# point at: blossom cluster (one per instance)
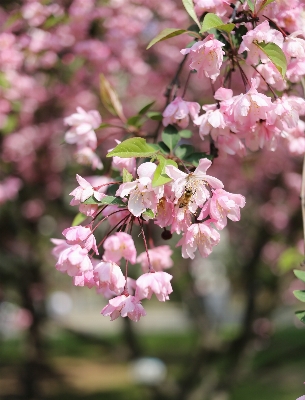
(173, 189)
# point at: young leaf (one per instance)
(160, 177)
(136, 120)
(146, 108)
(184, 150)
(110, 98)
(148, 214)
(133, 147)
(264, 4)
(299, 274)
(113, 200)
(170, 136)
(301, 316)
(127, 177)
(160, 146)
(251, 5)
(189, 6)
(78, 219)
(165, 34)
(213, 21)
(275, 55)
(91, 200)
(155, 115)
(300, 295)
(196, 157)
(185, 134)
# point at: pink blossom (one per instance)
(296, 70)
(228, 142)
(178, 111)
(246, 109)
(287, 112)
(9, 188)
(118, 214)
(126, 306)
(87, 156)
(35, 12)
(88, 209)
(108, 274)
(165, 213)
(141, 193)
(154, 282)
(82, 128)
(206, 57)
(262, 135)
(213, 118)
(120, 245)
(201, 236)
(223, 205)
(74, 260)
(262, 33)
(294, 47)
(60, 246)
(85, 279)
(196, 183)
(84, 191)
(82, 236)
(268, 73)
(160, 258)
(182, 219)
(218, 7)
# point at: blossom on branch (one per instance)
(126, 306)
(206, 57)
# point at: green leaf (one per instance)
(106, 200)
(110, 98)
(185, 134)
(301, 316)
(213, 21)
(91, 200)
(170, 136)
(164, 148)
(196, 157)
(133, 147)
(11, 122)
(251, 5)
(275, 55)
(155, 115)
(127, 177)
(148, 214)
(136, 120)
(146, 108)
(189, 6)
(165, 34)
(184, 150)
(299, 274)
(160, 146)
(289, 259)
(104, 125)
(160, 177)
(78, 219)
(113, 200)
(300, 295)
(3, 80)
(264, 4)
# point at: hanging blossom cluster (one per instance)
(253, 70)
(194, 204)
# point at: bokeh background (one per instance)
(229, 331)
